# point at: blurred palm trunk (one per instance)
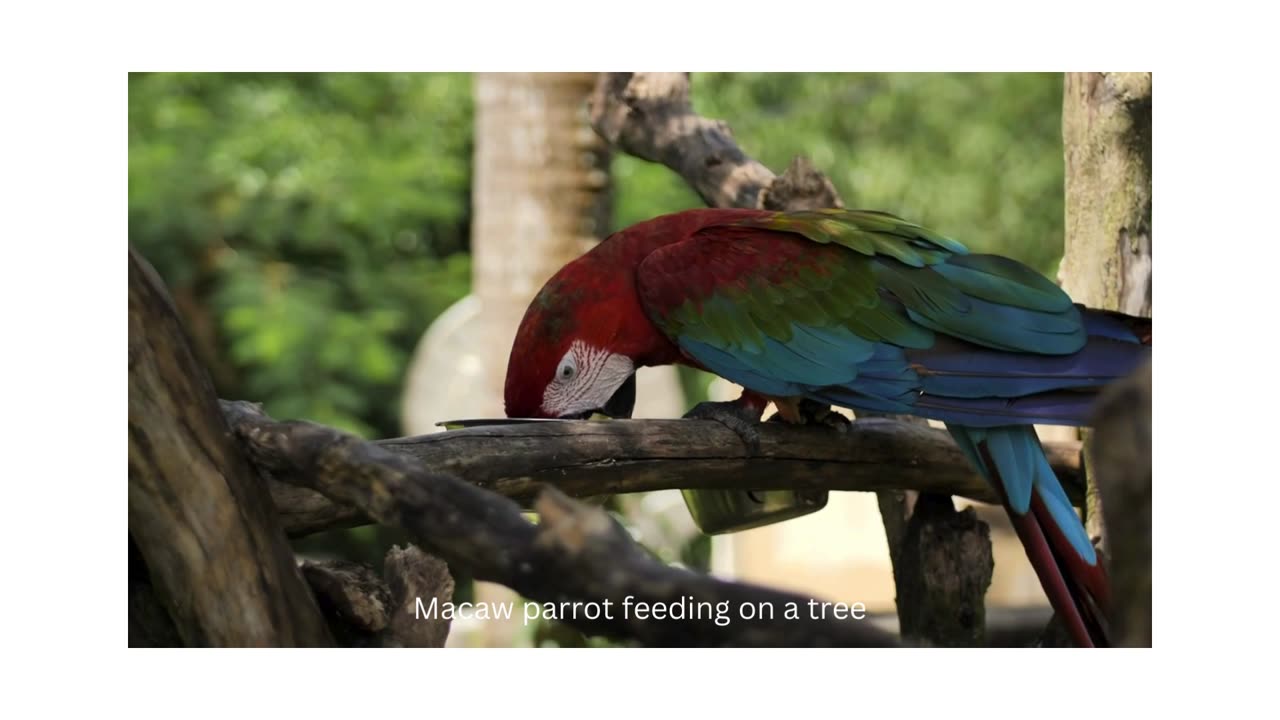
(541, 196)
(541, 193)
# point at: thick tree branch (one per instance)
(575, 554)
(625, 456)
(199, 515)
(649, 115)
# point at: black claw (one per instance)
(733, 415)
(815, 413)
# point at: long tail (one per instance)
(1013, 461)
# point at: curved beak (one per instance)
(623, 402)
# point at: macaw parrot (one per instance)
(852, 308)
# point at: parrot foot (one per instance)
(816, 413)
(811, 412)
(739, 417)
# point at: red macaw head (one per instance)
(569, 359)
(586, 332)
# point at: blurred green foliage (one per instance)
(977, 157)
(320, 219)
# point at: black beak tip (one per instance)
(623, 402)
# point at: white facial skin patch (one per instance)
(585, 379)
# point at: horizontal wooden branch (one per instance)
(584, 458)
(575, 554)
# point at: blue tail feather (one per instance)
(1020, 469)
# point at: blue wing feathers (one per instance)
(1004, 281)
(733, 367)
(1004, 327)
(825, 345)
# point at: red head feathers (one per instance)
(586, 332)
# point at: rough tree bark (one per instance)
(588, 458)
(208, 563)
(1106, 131)
(650, 115)
(364, 610)
(201, 519)
(1122, 463)
(576, 553)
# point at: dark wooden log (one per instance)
(149, 621)
(352, 596)
(413, 575)
(1122, 466)
(575, 554)
(200, 516)
(937, 605)
(365, 609)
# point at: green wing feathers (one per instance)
(866, 232)
(900, 281)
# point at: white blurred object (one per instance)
(446, 371)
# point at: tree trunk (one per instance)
(1106, 129)
(202, 521)
(541, 192)
(1106, 132)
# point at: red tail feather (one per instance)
(1078, 592)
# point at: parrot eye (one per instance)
(568, 368)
